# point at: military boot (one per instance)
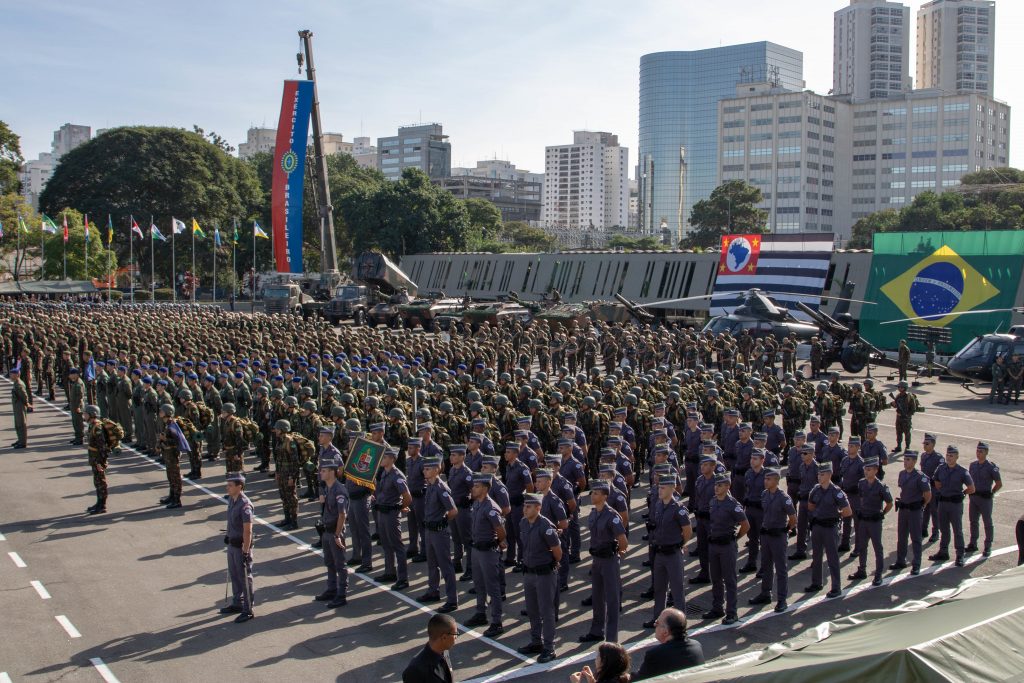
(175, 502)
(167, 499)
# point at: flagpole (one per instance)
(194, 279)
(152, 250)
(216, 233)
(252, 282)
(17, 252)
(234, 271)
(87, 249)
(131, 257)
(174, 272)
(42, 251)
(109, 245)
(65, 247)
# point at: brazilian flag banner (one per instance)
(363, 462)
(931, 275)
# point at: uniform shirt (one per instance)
(414, 474)
(486, 521)
(754, 483)
(624, 466)
(669, 520)
(851, 471)
(537, 539)
(605, 528)
(726, 515)
(954, 480)
(795, 461)
(743, 450)
(776, 435)
(874, 449)
(352, 488)
(704, 491)
(437, 501)
(552, 507)
(239, 512)
(617, 500)
(460, 482)
(808, 477)
(913, 485)
(474, 460)
(499, 493)
(729, 438)
(819, 439)
(873, 496)
(431, 450)
(391, 487)
(929, 463)
(692, 440)
(828, 501)
(527, 457)
(335, 503)
(517, 476)
(984, 474)
(572, 471)
(777, 507)
(834, 454)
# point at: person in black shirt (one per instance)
(431, 665)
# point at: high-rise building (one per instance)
(871, 47)
(497, 168)
(364, 152)
(679, 94)
(956, 46)
(67, 137)
(36, 173)
(334, 143)
(257, 140)
(586, 184)
(423, 146)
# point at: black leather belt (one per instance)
(464, 504)
(774, 532)
(987, 495)
(831, 521)
(952, 499)
(418, 494)
(870, 516)
(721, 540)
(753, 504)
(436, 526)
(543, 570)
(235, 542)
(916, 505)
(387, 508)
(669, 549)
(484, 547)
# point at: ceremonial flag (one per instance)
(49, 227)
(258, 231)
(196, 230)
(154, 233)
(234, 237)
(178, 226)
(1, 230)
(363, 461)
(216, 236)
(288, 172)
(65, 228)
(136, 229)
(110, 230)
(86, 227)
(789, 268)
(179, 437)
(21, 224)
(930, 277)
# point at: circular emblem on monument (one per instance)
(289, 161)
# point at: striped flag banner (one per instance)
(790, 268)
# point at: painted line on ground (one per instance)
(302, 545)
(104, 670)
(41, 589)
(4, 678)
(973, 438)
(2, 537)
(947, 415)
(16, 558)
(794, 608)
(68, 626)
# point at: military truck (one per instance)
(285, 297)
(304, 294)
(378, 287)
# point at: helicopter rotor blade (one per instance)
(656, 304)
(937, 317)
(815, 296)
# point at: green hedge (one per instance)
(164, 294)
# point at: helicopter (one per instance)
(973, 363)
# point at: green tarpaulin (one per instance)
(932, 274)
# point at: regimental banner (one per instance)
(289, 173)
(790, 268)
(929, 275)
(363, 461)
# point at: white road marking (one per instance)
(41, 589)
(2, 537)
(946, 415)
(4, 678)
(303, 545)
(16, 558)
(68, 626)
(104, 670)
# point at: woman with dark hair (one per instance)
(611, 663)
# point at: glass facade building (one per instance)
(679, 94)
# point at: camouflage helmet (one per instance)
(283, 426)
(446, 406)
(372, 401)
(392, 392)
(396, 414)
(167, 409)
(92, 411)
(309, 405)
(185, 394)
(589, 401)
(291, 401)
(505, 377)
(476, 407)
(536, 403)
(501, 400)
(788, 389)
(228, 408)
(352, 425)
(348, 398)
(338, 411)
(440, 389)
(631, 399)
(277, 393)
(473, 396)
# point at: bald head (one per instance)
(673, 623)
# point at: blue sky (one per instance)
(505, 78)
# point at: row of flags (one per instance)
(177, 226)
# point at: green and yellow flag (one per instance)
(196, 230)
(363, 462)
(930, 276)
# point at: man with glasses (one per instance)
(431, 665)
(675, 650)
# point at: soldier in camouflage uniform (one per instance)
(98, 452)
(286, 468)
(232, 439)
(170, 442)
(76, 404)
(213, 400)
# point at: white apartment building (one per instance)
(871, 50)
(586, 184)
(498, 169)
(36, 173)
(784, 143)
(69, 136)
(257, 140)
(364, 152)
(956, 46)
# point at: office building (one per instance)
(586, 184)
(498, 168)
(364, 152)
(517, 199)
(679, 94)
(36, 173)
(956, 46)
(422, 146)
(871, 46)
(334, 143)
(257, 140)
(67, 137)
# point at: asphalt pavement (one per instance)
(133, 594)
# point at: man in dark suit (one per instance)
(431, 665)
(675, 651)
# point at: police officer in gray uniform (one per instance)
(607, 546)
(827, 505)
(851, 472)
(951, 482)
(359, 520)
(553, 508)
(670, 531)
(336, 503)
(391, 497)
(487, 533)
(519, 483)
(239, 541)
(915, 492)
(726, 524)
(753, 487)
(541, 553)
(703, 492)
(778, 517)
(987, 481)
(808, 480)
(417, 489)
(439, 511)
(874, 502)
(460, 484)
(930, 460)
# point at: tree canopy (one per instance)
(626, 243)
(731, 208)
(10, 160)
(999, 205)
